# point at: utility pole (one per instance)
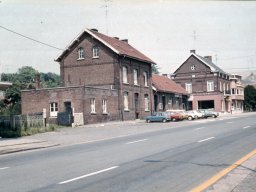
(106, 6)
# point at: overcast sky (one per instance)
(162, 30)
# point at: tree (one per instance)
(250, 98)
(155, 69)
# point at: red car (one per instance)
(174, 116)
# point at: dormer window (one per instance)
(81, 53)
(95, 52)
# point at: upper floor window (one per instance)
(210, 86)
(81, 53)
(125, 75)
(104, 105)
(93, 108)
(224, 87)
(53, 109)
(220, 86)
(126, 102)
(188, 87)
(145, 76)
(135, 76)
(146, 100)
(95, 52)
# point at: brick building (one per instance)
(209, 86)
(103, 77)
(168, 95)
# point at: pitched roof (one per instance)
(162, 83)
(207, 62)
(120, 47)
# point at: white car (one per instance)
(194, 115)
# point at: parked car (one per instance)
(209, 113)
(194, 114)
(158, 117)
(174, 116)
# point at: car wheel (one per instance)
(214, 116)
(173, 119)
(164, 120)
(148, 121)
(190, 118)
(196, 117)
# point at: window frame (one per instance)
(188, 87)
(93, 105)
(125, 74)
(135, 76)
(126, 101)
(104, 106)
(146, 102)
(210, 86)
(145, 76)
(95, 52)
(81, 53)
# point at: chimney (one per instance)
(193, 51)
(125, 40)
(37, 81)
(165, 75)
(96, 30)
(208, 57)
(116, 38)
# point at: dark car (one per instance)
(209, 113)
(158, 117)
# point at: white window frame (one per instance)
(210, 86)
(188, 87)
(126, 101)
(145, 76)
(135, 76)
(220, 86)
(104, 105)
(53, 109)
(125, 74)
(95, 52)
(81, 54)
(146, 100)
(93, 105)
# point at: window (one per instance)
(125, 71)
(135, 76)
(81, 53)
(95, 52)
(145, 75)
(224, 87)
(220, 86)
(93, 110)
(227, 86)
(193, 67)
(104, 105)
(126, 103)
(146, 100)
(53, 109)
(210, 86)
(189, 87)
(233, 91)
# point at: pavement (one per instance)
(241, 179)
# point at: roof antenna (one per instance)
(194, 37)
(106, 6)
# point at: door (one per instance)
(136, 105)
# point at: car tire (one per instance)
(148, 121)
(164, 120)
(214, 116)
(190, 118)
(173, 119)
(196, 117)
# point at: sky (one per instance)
(163, 30)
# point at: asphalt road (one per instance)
(171, 159)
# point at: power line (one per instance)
(30, 38)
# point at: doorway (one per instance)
(136, 105)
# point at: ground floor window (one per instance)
(208, 104)
(104, 105)
(126, 103)
(93, 108)
(146, 99)
(53, 109)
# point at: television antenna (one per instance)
(106, 6)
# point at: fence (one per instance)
(20, 125)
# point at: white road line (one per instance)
(230, 122)
(2, 168)
(88, 175)
(136, 141)
(246, 127)
(199, 128)
(205, 139)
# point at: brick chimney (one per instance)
(125, 40)
(37, 81)
(193, 51)
(96, 30)
(116, 38)
(208, 57)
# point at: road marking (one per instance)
(2, 168)
(205, 139)
(246, 127)
(230, 122)
(136, 141)
(88, 175)
(222, 173)
(199, 128)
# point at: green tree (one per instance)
(155, 69)
(250, 98)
